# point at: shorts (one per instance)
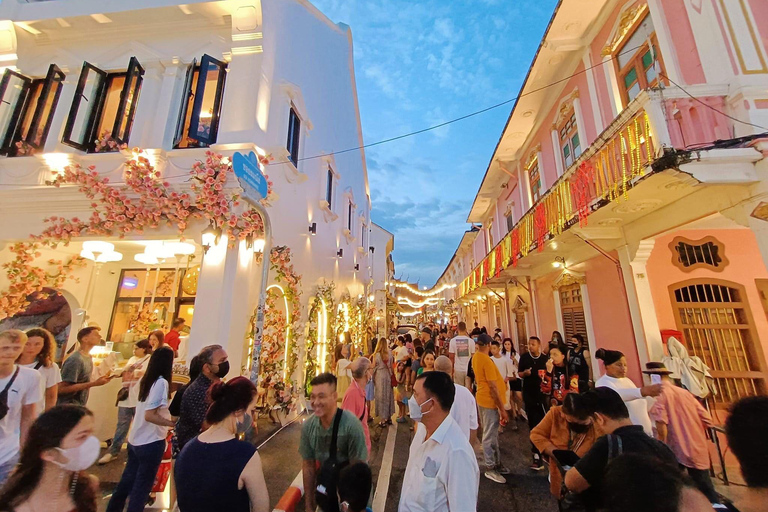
(516, 385)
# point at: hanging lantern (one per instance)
(189, 283)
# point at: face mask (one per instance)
(579, 428)
(572, 344)
(415, 408)
(655, 379)
(223, 369)
(243, 426)
(81, 457)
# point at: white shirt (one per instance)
(49, 376)
(133, 388)
(463, 347)
(506, 367)
(464, 410)
(401, 353)
(343, 368)
(25, 390)
(442, 473)
(633, 399)
(143, 432)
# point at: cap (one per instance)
(484, 339)
(656, 368)
(427, 330)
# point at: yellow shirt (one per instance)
(485, 372)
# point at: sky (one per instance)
(419, 63)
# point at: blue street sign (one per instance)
(249, 174)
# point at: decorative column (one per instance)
(640, 301)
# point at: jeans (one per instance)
(535, 412)
(7, 468)
(138, 477)
(491, 453)
(124, 418)
(704, 483)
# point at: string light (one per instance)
(427, 302)
(287, 327)
(420, 293)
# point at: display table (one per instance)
(101, 402)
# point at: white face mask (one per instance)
(655, 379)
(81, 457)
(415, 409)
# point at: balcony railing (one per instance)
(603, 173)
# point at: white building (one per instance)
(278, 79)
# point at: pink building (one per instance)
(626, 195)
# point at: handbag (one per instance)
(122, 394)
(4, 395)
(328, 476)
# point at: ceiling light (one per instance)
(146, 259)
(98, 246)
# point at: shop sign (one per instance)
(252, 180)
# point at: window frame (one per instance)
(537, 193)
(350, 212)
(294, 136)
(75, 107)
(135, 70)
(53, 76)
(186, 96)
(329, 186)
(194, 122)
(14, 120)
(567, 142)
(636, 62)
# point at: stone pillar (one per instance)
(640, 300)
(227, 293)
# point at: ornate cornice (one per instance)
(626, 22)
(568, 278)
(532, 156)
(566, 107)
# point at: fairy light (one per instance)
(322, 333)
(287, 329)
(427, 293)
(427, 302)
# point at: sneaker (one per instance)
(503, 470)
(494, 475)
(106, 459)
(536, 465)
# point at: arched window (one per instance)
(717, 326)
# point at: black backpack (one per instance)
(328, 477)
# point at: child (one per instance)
(401, 397)
(354, 488)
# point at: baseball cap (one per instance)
(484, 339)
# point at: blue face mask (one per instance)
(415, 409)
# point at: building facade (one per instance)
(273, 77)
(625, 200)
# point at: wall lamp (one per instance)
(313, 229)
(371, 249)
(357, 267)
(210, 237)
(340, 253)
(559, 262)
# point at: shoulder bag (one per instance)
(4, 395)
(328, 476)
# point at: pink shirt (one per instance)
(686, 420)
(354, 402)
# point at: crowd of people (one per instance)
(607, 445)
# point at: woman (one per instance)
(566, 427)
(579, 361)
(215, 470)
(38, 355)
(343, 374)
(382, 377)
(146, 440)
(401, 393)
(126, 408)
(50, 475)
(558, 382)
(354, 399)
(557, 338)
(616, 378)
(157, 339)
(515, 385)
(427, 362)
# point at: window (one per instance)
(510, 221)
(635, 60)
(329, 189)
(569, 140)
(104, 107)
(362, 235)
(717, 326)
(294, 133)
(26, 110)
(198, 123)
(349, 217)
(490, 234)
(688, 255)
(535, 179)
(572, 309)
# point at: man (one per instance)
(22, 389)
(442, 473)
(490, 393)
(611, 415)
(172, 339)
(460, 350)
(316, 434)
(354, 398)
(77, 369)
(745, 431)
(681, 422)
(464, 408)
(194, 403)
(531, 367)
(476, 331)
(508, 372)
(425, 339)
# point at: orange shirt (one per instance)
(485, 372)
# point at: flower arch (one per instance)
(144, 202)
(321, 321)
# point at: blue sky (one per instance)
(419, 63)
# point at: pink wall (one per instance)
(684, 45)
(760, 12)
(745, 265)
(545, 307)
(610, 314)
